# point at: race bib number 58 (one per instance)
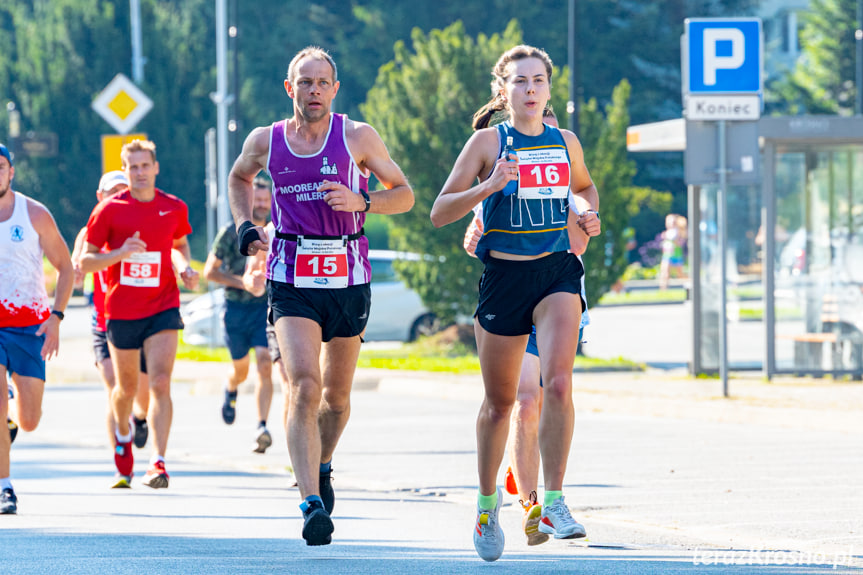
(321, 264)
(141, 270)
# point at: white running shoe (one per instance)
(487, 534)
(556, 520)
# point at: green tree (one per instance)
(604, 140)
(823, 80)
(422, 103)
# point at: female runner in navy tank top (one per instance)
(529, 279)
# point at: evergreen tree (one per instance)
(823, 79)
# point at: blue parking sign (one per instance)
(724, 55)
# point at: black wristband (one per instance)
(59, 314)
(247, 234)
(367, 199)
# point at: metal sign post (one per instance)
(722, 69)
(722, 227)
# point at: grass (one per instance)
(421, 356)
(425, 356)
(202, 353)
(643, 297)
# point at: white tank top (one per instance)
(23, 299)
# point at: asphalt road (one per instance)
(667, 477)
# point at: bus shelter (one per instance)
(794, 257)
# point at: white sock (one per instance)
(5, 483)
(155, 458)
(123, 438)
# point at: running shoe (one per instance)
(123, 458)
(556, 520)
(13, 430)
(11, 392)
(530, 521)
(325, 487)
(8, 502)
(487, 535)
(263, 441)
(317, 526)
(156, 477)
(229, 407)
(122, 482)
(142, 432)
(509, 482)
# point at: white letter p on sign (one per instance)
(712, 62)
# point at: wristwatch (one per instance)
(59, 314)
(367, 199)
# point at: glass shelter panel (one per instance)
(744, 291)
(819, 259)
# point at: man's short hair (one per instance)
(4, 151)
(315, 52)
(262, 182)
(137, 146)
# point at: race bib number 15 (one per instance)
(321, 264)
(141, 270)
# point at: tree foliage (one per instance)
(422, 103)
(823, 80)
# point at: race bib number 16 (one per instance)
(141, 270)
(321, 264)
(543, 174)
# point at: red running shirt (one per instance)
(143, 284)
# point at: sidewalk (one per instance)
(801, 403)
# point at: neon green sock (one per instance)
(550, 496)
(488, 502)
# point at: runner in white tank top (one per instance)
(29, 328)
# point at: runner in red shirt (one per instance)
(144, 230)
(110, 184)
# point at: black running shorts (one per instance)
(341, 312)
(510, 290)
(131, 333)
(100, 349)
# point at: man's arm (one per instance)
(94, 260)
(213, 273)
(77, 252)
(586, 196)
(367, 147)
(241, 194)
(397, 196)
(181, 256)
(55, 249)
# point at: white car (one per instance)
(397, 312)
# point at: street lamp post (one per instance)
(572, 56)
(858, 36)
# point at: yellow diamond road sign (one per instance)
(122, 104)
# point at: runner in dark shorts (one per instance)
(320, 163)
(111, 183)
(139, 236)
(245, 317)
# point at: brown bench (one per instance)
(809, 350)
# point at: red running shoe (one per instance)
(157, 477)
(123, 458)
(509, 482)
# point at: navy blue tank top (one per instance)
(528, 217)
